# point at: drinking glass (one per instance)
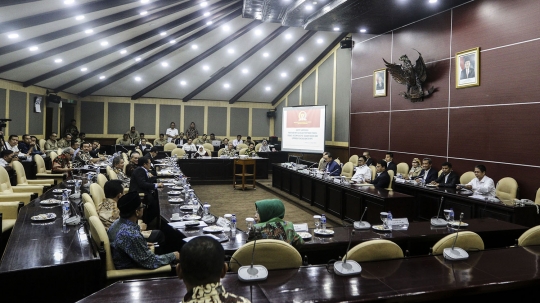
(446, 214)
(317, 221)
(384, 217)
(250, 222)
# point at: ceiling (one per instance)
(230, 50)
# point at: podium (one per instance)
(242, 173)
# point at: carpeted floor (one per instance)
(225, 200)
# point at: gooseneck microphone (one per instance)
(252, 273)
(436, 221)
(344, 268)
(362, 224)
(456, 253)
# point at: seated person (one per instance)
(82, 138)
(382, 178)
(204, 139)
(249, 141)
(448, 178)
(270, 224)
(84, 158)
(180, 141)
(161, 141)
(118, 168)
(62, 163)
(95, 149)
(27, 147)
(189, 147)
(213, 137)
(76, 147)
(108, 211)
(332, 167)
(133, 135)
(250, 151)
(125, 141)
(415, 170)
(238, 140)
(128, 246)
(428, 173)
(7, 157)
(390, 165)
(13, 145)
(133, 163)
(152, 154)
(38, 149)
(143, 145)
(201, 152)
(229, 151)
(264, 147)
(201, 267)
(482, 184)
(64, 142)
(224, 143)
(363, 173)
(322, 162)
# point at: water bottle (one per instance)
(65, 207)
(97, 172)
(451, 216)
(206, 208)
(389, 220)
(233, 224)
(323, 222)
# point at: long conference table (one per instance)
(500, 274)
(217, 170)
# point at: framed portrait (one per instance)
(379, 83)
(468, 68)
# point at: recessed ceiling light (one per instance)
(363, 30)
(183, 82)
(79, 17)
(288, 36)
(89, 31)
(194, 46)
(266, 55)
(309, 7)
(57, 60)
(104, 43)
(432, 1)
(206, 14)
(143, 13)
(13, 36)
(138, 59)
(162, 33)
(336, 29)
(206, 67)
(172, 41)
(123, 51)
(300, 59)
(84, 69)
(68, 2)
(268, 88)
(209, 23)
(138, 79)
(164, 64)
(245, 71)
(204, 4)
(230, 51)
(226, 27)
(283, 75)
(226, 85)
(314, 2)
(320, 41)
(33, 48)
(258, 32)
(145, 1)
(102, 77)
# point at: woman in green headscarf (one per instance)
(270, 223)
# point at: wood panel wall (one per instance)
(495, 124)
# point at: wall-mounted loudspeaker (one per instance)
(346, 43)
(54, 98)
(271, 114)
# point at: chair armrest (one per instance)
(28, 189)
(133, 273)
(41, 182)
(48, 175)
(9, 210)
(10, 197)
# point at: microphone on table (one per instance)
(350, 267)
(436, 221)
(456, 253)
(362, 224)
(252, 273)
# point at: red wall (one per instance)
(496, 124)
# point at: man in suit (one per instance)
(468, 71)
(369, 160)
(332, 167)
(382, 178)
(144, 183)
(448, 178)
(133, 163)
(390, 165)
(428, 174)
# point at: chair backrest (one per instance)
(440, 172)
(139, 151)
(347, 170)
(208, 146)
(403, 168)
(53, 156)
(40, 164)
(337, 161)
(506, 189)
(242, 151)
(42, 143)
(220, 152)
(101, 180)
(86, 198)
(391, 174)
(59, 151)
(273, 254)
(530, 237)
(375, 250)
(373, 172)
(178, 151)
(195, 141)
(112, 175)
(5, 184)
(240, 146)
(537, 199)
(258, 147)
(466, 177)
(169, 146)
(209, 151)
(90, 210)
(125, 157)
(354, 160)
(467, 240)
(99, 234)
(97, 194)
(21, 174)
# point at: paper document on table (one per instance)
(400, 223)
(182, 224)
(300, 227)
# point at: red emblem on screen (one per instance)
(305, 118)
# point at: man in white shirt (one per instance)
(172, 132)
(237, 141)
(189, 146)
(13, 145)
(482, 184)
(363, 173)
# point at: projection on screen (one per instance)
(303, 129)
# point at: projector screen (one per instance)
(303, 129)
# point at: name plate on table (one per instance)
(337, 180)
(400, 223)
(301, 227)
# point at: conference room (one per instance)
(238, 68)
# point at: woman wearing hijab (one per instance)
(264, 147)
(201, 152)
(192, 132)
(270, 223)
